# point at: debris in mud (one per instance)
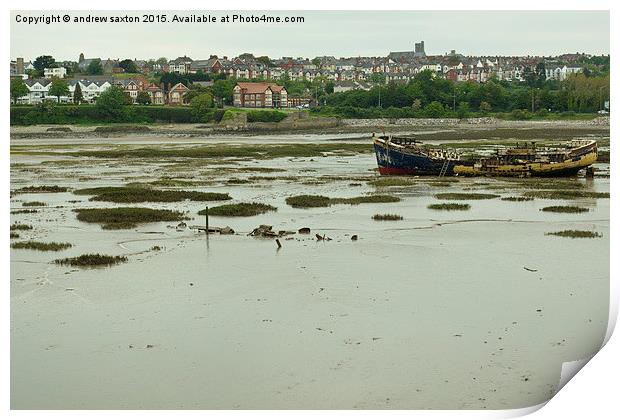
(227, 230)
(304, 231)
(530, 269)
(354, 237)
(156, 248)
(14, 235)
(264, 231)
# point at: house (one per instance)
(176, 94)
(90, 89)
(39, 91)
(180, 65)
(259, 95)
(130, 87)
(156, 94)
(347, 85)
(59, 72)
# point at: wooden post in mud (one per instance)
(207, 220)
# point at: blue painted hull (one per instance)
(395, 162)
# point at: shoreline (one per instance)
(309, 126)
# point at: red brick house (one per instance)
(156, 94)
(259, 95)
(176, 94)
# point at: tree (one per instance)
(434, 110)
(484, 107)
(194, 91)
(201, 105)
(18, 89)
(59, 88)
(111, 103)
(265, 60)
(417, 104)
(128, 65)
(95, 67)
(43, 62)
(329, 87)
(143, 98)
(78, 97)
(463, 110)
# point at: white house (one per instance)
(59, 72)
(39, 91)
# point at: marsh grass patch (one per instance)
(517, 198)
(239, 210)
(136, 194)
(575, 234)
(127, 217)
(41, 246)
(565, 194)
(449, 206)
(226, 151)
(33, 204)
(24, 211)
(92, 260)
(20, 226)
(392, 182)
(41, 189)
(387, 217)
(565, 209)
(308, 201)
(465, 196)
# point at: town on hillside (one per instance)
(248, 81)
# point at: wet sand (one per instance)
(435, 311)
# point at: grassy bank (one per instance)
(265, 151)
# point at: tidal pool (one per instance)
(444, 309)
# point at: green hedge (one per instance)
(90, 114)
(266, 116)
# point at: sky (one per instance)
(335, 33)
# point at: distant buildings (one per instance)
(257, 87)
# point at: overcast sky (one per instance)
(334, 33)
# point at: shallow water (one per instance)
(434, 311)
